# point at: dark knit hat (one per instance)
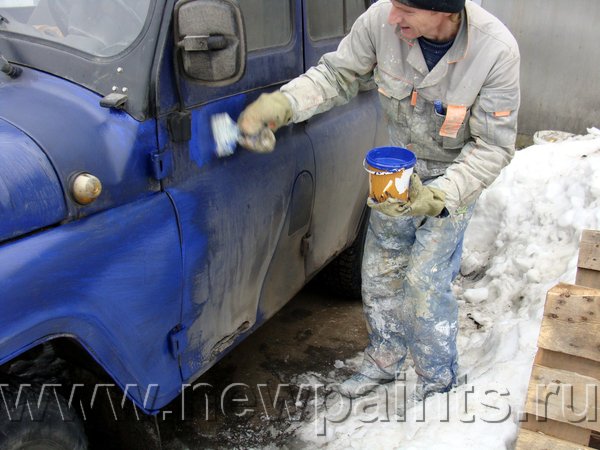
(450, 6)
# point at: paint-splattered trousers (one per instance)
(408, 267)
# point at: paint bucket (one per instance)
(551, 137)
(389, 170)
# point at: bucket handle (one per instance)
(374, 171)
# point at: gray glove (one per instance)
(270, 112)
(422, 201)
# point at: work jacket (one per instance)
(461, 116)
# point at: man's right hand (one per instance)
(268, 111)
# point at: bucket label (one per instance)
(401, 184)
(389, 171)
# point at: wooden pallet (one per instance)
(562, 406)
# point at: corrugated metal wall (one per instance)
(560, 61)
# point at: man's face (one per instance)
(414, 22)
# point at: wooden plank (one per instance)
(577, 339)
(589, 250)
(594, 440)
(588, 272)
(571, 322)
(530, 440)
(573, 304)
(563, 396)
(588, 277)
(557, 360)
(559, 430)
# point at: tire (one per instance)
(342, 276)
(50, 426)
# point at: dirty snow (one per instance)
(522, 240)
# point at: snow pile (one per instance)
(523, 239)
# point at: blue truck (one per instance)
(127, 247)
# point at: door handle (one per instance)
(204, 43)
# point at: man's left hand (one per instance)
(422, 201)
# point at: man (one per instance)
(448, 77)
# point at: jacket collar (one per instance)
(459, 49)
(456, 53)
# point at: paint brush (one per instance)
(227, 135)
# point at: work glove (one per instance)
(270, 111)
(422, 201)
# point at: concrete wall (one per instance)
(560, 61)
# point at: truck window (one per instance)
(332, 18)
(97, 27)
(268, 23)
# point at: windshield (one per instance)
(97, 27)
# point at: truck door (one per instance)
(238, 213)
(340, 137)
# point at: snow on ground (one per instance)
(522, 240)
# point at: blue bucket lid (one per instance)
(391, 159)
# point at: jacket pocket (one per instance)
(462, 136)
(394, 95)
(500, 116)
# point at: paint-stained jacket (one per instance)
(477, 82)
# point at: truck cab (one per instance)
(121, 230)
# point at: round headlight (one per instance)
(85, 188)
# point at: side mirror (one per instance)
(210, 40)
